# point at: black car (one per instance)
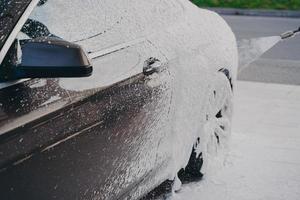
(109, 99)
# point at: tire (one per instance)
(221, 98)
(192, 172)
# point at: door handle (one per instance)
(151, 66)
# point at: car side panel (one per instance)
(110, 146)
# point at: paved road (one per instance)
(279, 65)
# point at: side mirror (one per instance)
(47, 58)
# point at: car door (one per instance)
(89, 138)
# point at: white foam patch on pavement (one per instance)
(263, 161)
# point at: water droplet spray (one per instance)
(252, 49)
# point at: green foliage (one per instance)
(254, 4)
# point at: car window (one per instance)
(10, 12)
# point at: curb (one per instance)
(258, 12)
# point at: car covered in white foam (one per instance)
(109, 99)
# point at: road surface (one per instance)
(282, 63)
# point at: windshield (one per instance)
(10, 13)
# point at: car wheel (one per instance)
(192, 171)
(216, 129)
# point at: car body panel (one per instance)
(119, 133)
(101, 142)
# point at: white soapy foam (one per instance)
(263, 157)
(39, 83)
(193, 42)
(51, 100)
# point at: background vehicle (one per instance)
(161, 89)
